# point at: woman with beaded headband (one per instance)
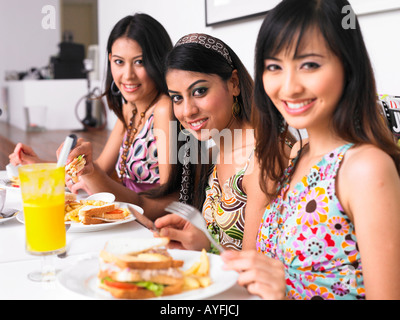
(332, 230)
(211, 92)
(136, 93)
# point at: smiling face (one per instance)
(305, 86)
(128, 71)
(202, 101)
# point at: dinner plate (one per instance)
(81, 278)
(4, 220)
(80, 227)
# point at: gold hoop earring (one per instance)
(236, 110)
(183, 130)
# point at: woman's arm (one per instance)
(163, 114)
(108, 157)
(97, 180)
(24, 154)
(369, 190)
(255, 206)
(101, 169)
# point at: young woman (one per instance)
(211, 93)
(333, 230)
(136, 93)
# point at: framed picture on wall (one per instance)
(222, 11)
(362, 7)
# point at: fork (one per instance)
(8, 213)
(194, 216)
(4, 181)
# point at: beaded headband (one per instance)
(208, 42)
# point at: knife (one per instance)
(142, 219)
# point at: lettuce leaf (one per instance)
(156, 288)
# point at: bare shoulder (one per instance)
(163, 108)
(367, 161)
(118, 129)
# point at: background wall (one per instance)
(24, 43)
(180, 17)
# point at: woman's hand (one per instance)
(75, 187)
(261, 275)
(182, 233)
(23, 154)
(82, 148)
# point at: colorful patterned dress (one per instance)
(312, 236)
(142, 171)
(224, 208)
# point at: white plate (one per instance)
(102, 196)
(80, 227)
(81, 278)
(4, 220)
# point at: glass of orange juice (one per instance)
(43, 196)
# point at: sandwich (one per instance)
(94, 214)
(139, 269)
(75, 166)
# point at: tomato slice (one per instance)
(121, 285)
(116, 211)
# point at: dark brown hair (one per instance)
(357, 117)
(155, 43)
(194, 57)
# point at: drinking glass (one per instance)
(43, 197)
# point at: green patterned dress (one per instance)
(224, 208)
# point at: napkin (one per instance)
(12, 171)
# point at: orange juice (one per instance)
(42, 190)
(44, 227)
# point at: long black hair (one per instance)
(357, 117)
(195, 57)
(155, 43)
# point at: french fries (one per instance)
(198, 275)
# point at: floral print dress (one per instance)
(312, 236)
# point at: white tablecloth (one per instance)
(15, 263)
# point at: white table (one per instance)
(15, 263)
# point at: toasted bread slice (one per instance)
(139, 254)
(88, 214)
(132, 246)
(96, 211)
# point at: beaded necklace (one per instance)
(131, 133)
